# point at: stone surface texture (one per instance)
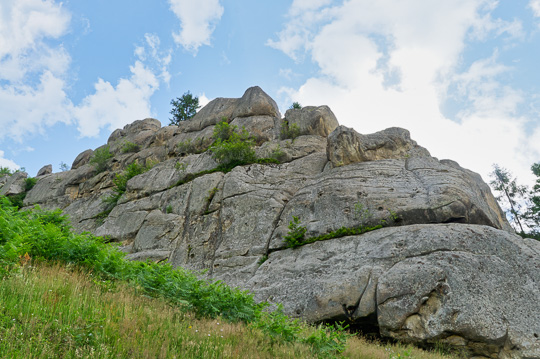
(445, 267)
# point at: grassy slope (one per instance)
(93, 303)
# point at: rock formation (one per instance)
(446, 267)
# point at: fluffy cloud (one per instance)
(31, 70)
(4, 162)
(197, 20)
(394, 63)
(535, 6)
(113, 107)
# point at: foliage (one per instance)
(64, 167)
(5, 171)
(329, 339)
(278, 325)
(289, 130)
(295, 106)
(180, 166)
(295, 236)
(120, 181)
(184, 108)
(277, 153)
(520, 204)
(100, 157)
(29, 183)
(231, 148)
(77, 312)
(130, 147)
(223, 130)
(169, 209)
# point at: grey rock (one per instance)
(82, 159)
(214, 112)
(311, 120)
(255, 102)
(423, 283)
(140, 133)
(261, 128)
(14, 184)
(45, 170)
(346, 146)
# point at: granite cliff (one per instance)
(445, 266)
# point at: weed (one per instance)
(289, 131)
(169, 209)
(180, 166)
(295, 236)
(120, 181)
(130, 147)
(263, 259)
(100, 157)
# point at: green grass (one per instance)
(67, 295)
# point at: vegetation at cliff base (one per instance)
(70, 295)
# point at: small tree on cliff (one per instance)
(184, 108)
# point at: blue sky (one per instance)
(461, 75)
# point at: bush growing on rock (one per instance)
(100, 158)
(231, 148)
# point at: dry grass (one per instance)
(53, 312)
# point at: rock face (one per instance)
(446, 267)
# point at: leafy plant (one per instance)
(169, 209)
(100, 157)
(180, 166)
(289, 130)
(295, 236)
(130, 147)
(64, 167)
(362, 214)
(184, 108)
(223, 130)
(120, 181)
(295, 106)
(277, 153)
(234, 149)
(5, 171)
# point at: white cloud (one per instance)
(203, 100)
(4, 162)
(31, 70)
(197, 20)
(535, 7)
(394, 63)
(114, 107)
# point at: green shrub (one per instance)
(295, 106)
(231, 148)
(120, 181)
(295, 236)
(5, 171)
(223, 130)
(130, 147)
(100, 158)
(289, 131)
(29, 183)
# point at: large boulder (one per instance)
(45, 170)
(346, 146)
(470, 285)
(311, 120)
(82, 159)
(255, 102)
(14, 184)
